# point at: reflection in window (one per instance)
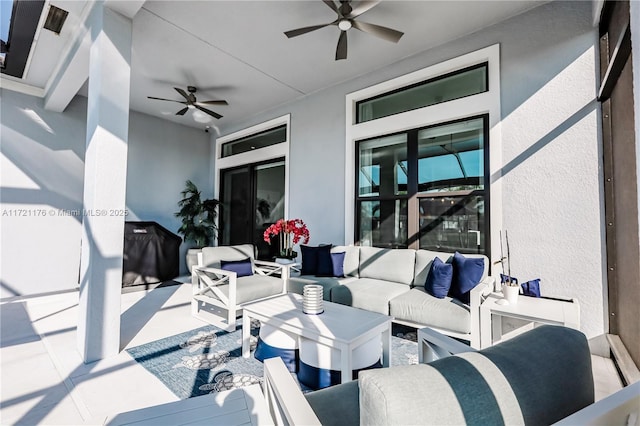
(451, 157)
(383, 223)
(383, 166)
(450, 223)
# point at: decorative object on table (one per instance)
(312, 299)
(198, 220)
(291, 232)
(510, 287)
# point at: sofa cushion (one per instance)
(439, 278)
(351, 263)
(425, 257)
(467, 273)
(418, 306)
(368, 293)
(296, 284)
(242, 268)
(395, 265)
(309, 256)
(498, 385)
(325, 264)
(337, 261)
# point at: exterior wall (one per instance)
(551, 171)
(42, 169)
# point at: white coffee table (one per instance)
(532, 309)
(341, 327)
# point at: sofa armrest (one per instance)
(476, 297)
(285, 400)
(203, 284)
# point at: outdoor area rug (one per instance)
(207, 359)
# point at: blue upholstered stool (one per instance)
(319, 365)
(273, 342)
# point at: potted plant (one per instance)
(290, 233)
(198, 221)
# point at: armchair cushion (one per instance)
(498, 385)
(241, 267)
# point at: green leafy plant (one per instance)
(198, 216)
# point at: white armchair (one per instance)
(218, 294)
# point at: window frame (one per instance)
(412, 144)
(470, 106)
(424, 83)
(260, 155)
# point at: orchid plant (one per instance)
(291, 232)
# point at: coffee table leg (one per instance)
(386, 347)
(246, 333)
(347, 369)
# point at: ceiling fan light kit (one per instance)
(346, 20)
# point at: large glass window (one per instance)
(444, 88)
(443, 169)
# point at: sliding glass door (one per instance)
(252, 198)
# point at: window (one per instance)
(259, 140)
(443, 168)
(444, 88)
(417, 149)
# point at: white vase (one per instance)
(510, 293)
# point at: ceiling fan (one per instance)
(346, 20)
(192, 103)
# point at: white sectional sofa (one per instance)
(391, 282)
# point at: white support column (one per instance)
(104, 184)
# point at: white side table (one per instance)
(536, 310)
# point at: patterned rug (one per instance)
(207, 359)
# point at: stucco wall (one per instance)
(551, 171)
(42, 171)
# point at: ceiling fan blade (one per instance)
(211, 113)
(379, 31)
(304, 30)
(212, 103)
(183, 93)
(362, 7)
(332, 5)
(163, 99)
(341, 50)
(182, 111)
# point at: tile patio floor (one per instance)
(44, 381)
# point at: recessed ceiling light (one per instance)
(55, 19)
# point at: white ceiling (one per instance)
(236, 50)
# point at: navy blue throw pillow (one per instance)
(309, 260)
(337, 260)
(325, 265)
(439, 278)
(467, 273)
(241, 267)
